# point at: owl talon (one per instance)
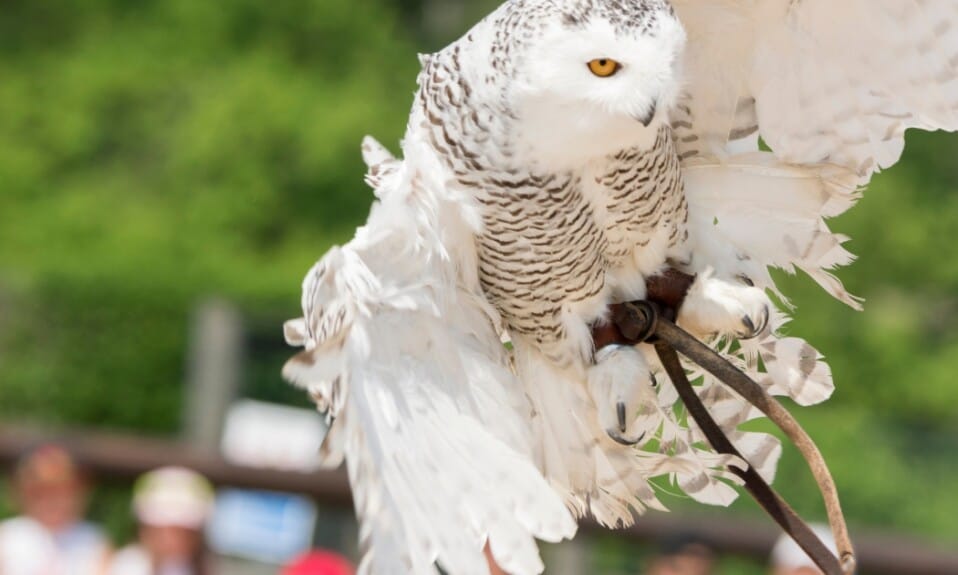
(621, 390)
(621, 440)
(752, 330)
(766, 315)
(716, 306)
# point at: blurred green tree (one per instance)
(153, 152)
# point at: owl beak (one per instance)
(646, 119)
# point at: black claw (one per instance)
(752, 330)
(748, 324)
(623, 441)
(655, 382)
(620, 411)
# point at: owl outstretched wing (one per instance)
(821, 82)
(407, 362)
(830, 89)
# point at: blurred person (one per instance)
(50, 536)
(789, 559)
(319, 563)
(172, 506)
(683, 555)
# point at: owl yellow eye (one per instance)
(604, 67)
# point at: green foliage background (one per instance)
(154, 153)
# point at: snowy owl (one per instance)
(558, 156)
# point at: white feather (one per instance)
(831, 82)
(831, 87)
(406, 358)
(749, 212)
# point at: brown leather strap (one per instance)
(755, 394)
(642, 321)
(651, 321)
(771, 502)
(668, 290)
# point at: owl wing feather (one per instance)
(830, 88)
(406, 360)
(822, 82)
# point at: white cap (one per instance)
(788, 555)
(173, 496)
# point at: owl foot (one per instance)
(717, 306)
(621, 387)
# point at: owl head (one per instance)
(593, 77)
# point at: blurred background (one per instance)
(170, 169)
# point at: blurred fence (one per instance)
(120, 458)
